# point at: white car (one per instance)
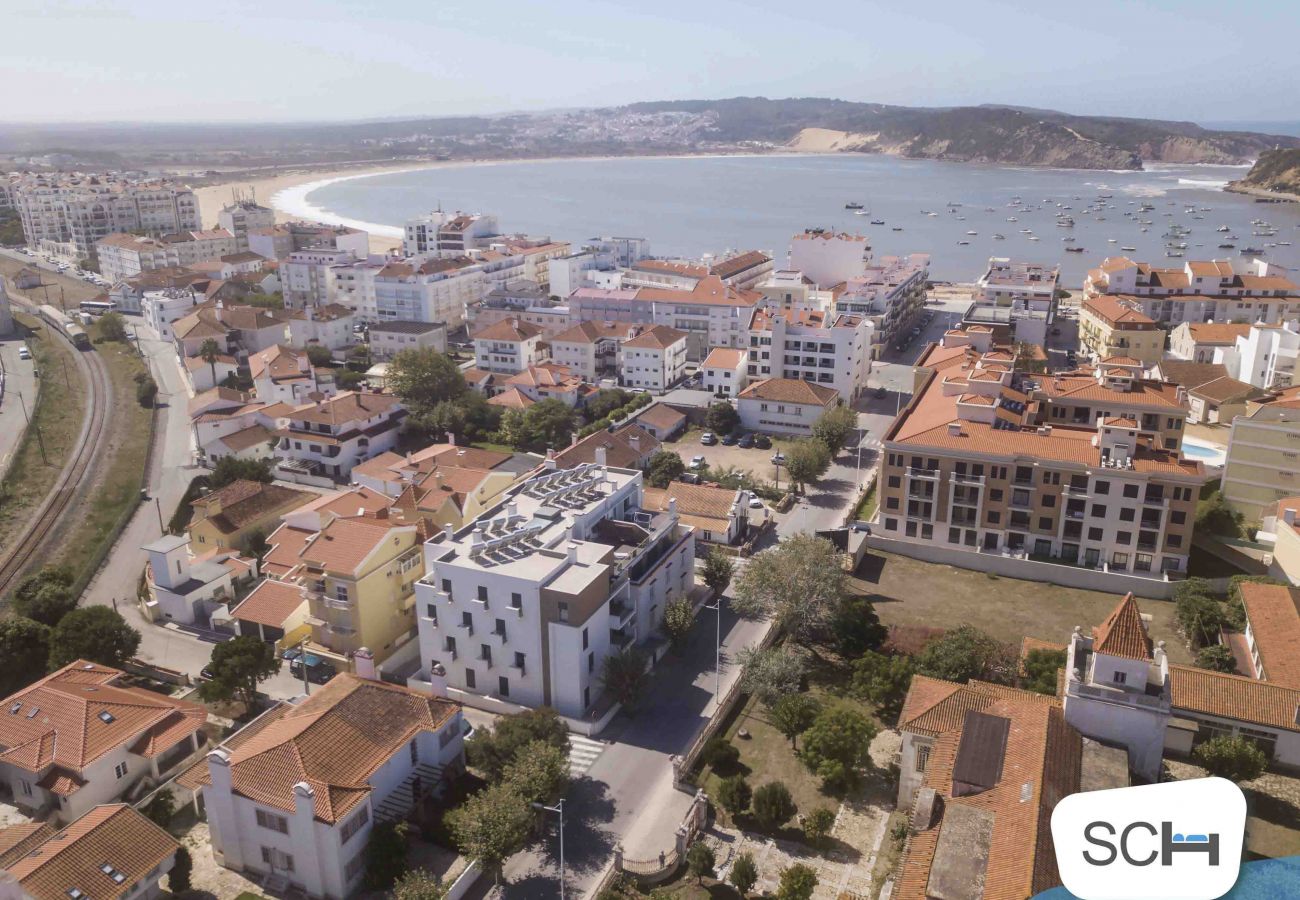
(697, 462)
(755, 503)
(24, 353)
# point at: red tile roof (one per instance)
(1123, 633)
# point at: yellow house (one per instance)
(225, 518)
(1263, 464)
(1109, 327)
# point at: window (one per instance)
(1178, 517)
(922, 757)
(954, 535)
(585, 642)
(891, 503)
(1126, 515)
(278, 859)
(355, 824)
(432, 614)
(995, 518)
(591, 663)
(516, 601)
(341, 593)
(272, 822)
(1119, 677)
(414, 751)
(1119, 560)
(1098, 511)
(1130, 490)
(1044, 523)
(563, 611)
(503, 686)
(995, 495)
(1094, 534)
(1101, 487)
(895, 481)
(471, 680)
(120, 770)
(1049, 500)
(1124, 538)
(446, 587)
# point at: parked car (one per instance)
(778, 458)
(319, 670)
(755, 503)
(24, 353)
(697, 462)
(708, 439)
(746, 442)
(881, 393)
(688, 478)
(762, 442)
(731, 440)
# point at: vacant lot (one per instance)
(910, 592)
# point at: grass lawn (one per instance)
(867, 507)
(890, 851)
(910, 592)
(488, 445)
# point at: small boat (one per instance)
(1174, 253)
(1129, 249)
(963, 243)
(972, 233)
(1012, 219)
(1111, 241)
(1257, 250)
(999, 237)
(1069, 239)
(1227, 246)
(896, 228)
(1033, 237)
(1026, 231)
(1284, 243)
(877, 221)
(853, 205)
(861, 212)
(1074, 249)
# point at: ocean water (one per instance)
(695, 205)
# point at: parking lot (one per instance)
(754, 461)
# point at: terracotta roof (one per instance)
(17, 841)
(1274, 614)
(247, 437)
(1234, 697)
(1191, 374)
(511, 398)
(349, 406)
(661, 415)
(218, 397)
(270, 603)
(114, 835)
(708, 291)
(701, 505)
(508, 330)
(789, 390)
(619, 451)
(1225, 333)
(547, 375)
(724, 358)
(1123, 634)
(277, 362)
(286, 543)
(347, 542)
(670, 267)
(1117, 313)
(245, 502)
(658, 337)
(334, 741)
(729, 268)
(589, 332)
(1226, 390)
(1121, 422)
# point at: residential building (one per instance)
(163, 308)
(653, 359)
(1272, 633)
(293, 797)
(743, 271)
(123, 256)
(431, 290)
(520, 300)
(1215, 291)
(307, 277)
(390, 337)
(676, 275)
(228, 517)
(1263, 460)
(523, 607)
(282, 374)
(278, 241)
(891, 295)
(1286, 540)
(1219, 401)
(1197, 341)
(662, 421)
(544, 382)
(508, 347)
(590, 350)
(628, 447)
(129, 294)
(188, 587)
(829, 258)
(274, 611)
(1110, 326)
(329, 326)
(227, 422)
(1083, 467)
(1265, 356)
(241, 216)
(1026, 290)
(725, 372)
(784, 405)
(80, 737)
(618, 252)
(719, 515)
(569, 272)
(449, 234)
(111, 852)
(238, 330)
(324, 440)
(830, 348)
(69, 213)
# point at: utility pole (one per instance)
(557, 808)
(41, 442)
(716, 606)
(26, 418)
(158, 509)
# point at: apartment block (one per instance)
(449, 233)
(1265, 356)
(123, 256)
(278, 241)
(389, 338)
(1217, 290)
(1112, 327)
(305, 276)
(653, 359)
(508, 347)
(243, 215)
(1026, 291)
(784, 405)
(891, 295)
(590, 350)
(725, 372)
(1197, 341)
(322, 441)
(829, 348)
(524, 606)
(828, 258)
(1263, 463)
(520, 300)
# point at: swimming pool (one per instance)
(1206, 453)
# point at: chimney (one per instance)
(672, 506)
(438, 679)
(1288, 516)
(634, 441)
(304, 796)
(954, 428)
(363, 662)
(1045, 430)
(601, 456)
(549, 464)
(447, 530)
(572, 553)
(573, 438)
(437, 479)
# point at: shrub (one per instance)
(700, 861)
(1237, 759)
(1218, 658)
(817, 826)
(793, 714)
(837, 745)
(797, 883)
(773, 805)
(744, 874)
(386, 855)
(719, 753)
(146, 391)
(734, 795)
(1200, 617)
(178, 879)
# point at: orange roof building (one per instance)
(784, 405)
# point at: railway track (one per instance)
(74, 478)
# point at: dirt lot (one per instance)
(910, 592)
(754, 461)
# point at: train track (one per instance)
(76, 475)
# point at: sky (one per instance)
(278, 60)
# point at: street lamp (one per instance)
(557, 808)
(716, 606)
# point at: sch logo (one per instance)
(1127, 843)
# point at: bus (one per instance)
(98, 307)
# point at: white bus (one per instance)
(98, 307)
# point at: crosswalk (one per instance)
(583, 751)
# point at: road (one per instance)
(19, 390)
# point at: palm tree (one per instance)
(210, 350)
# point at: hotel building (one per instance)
(1217, 290)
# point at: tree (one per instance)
(679, 617)
(254, 544)
(45, 596)
(734, 794)
(238, 666)
(230, 469)
(721, 418)
(807, 461)
(773, 806)
(112, 327)
(793, 714)
(146, 390)
(178, 879)
(539, 773)
(1028, 358)
(720, 754)
(94, 633)
(548, 424)
(600, 404)
(418, 884)
(772, 673)
(209, 350)
(797, 883)
(838, 744)
(965, 653)
(700, 861)
(1218, 658)
(320, 357)
(834, 426)
(1201, 618)
(435, 422)
(744, 874)
(386, 855)
(799, 583)
(25, 649)
(493, 750)
(855, 626)
(625, 677)
(664, 467)
(817, 826)
(882, 681)
(161, 808)
(512, 432)
(1216, 516)
(718, 570)
(1237, 758)
(423, 378)
(1041, 667)
(491, 826)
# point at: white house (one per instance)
(508, 346)
(1197, 341)
(724, 371)
(292, 798)
(784, 405)
(305, 275)
(387, 338)
(328, 326)
(654, 359)
(829, 258)
(283, 375)
(326, 439)
(188, 589)
(1264, 356)
(162, 308)
(590, 349)
(78, 737)
(827, 347)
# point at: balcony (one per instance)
(927, 474)
(620, 638)
(968, 479)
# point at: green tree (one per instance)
(1041, 667)
(793, 714)
(254, 544)
(817, 826)
(838, 744)
(230, 469)
(112, 327)
(679, 618)
(178, 879)
(320, 357)
(625, 677)
(491, 826)
(493, 750)
(882, 681)
(45, 596)
(1218, 658)
(797, 883)
(209, 351)
(238, 666)
(434, 423)
(548, 424)
(600, 404)
(418, 884)
(721, 417)
(718, 570)
(1028, 358)
(807, 461)
(1237, 758)
(855, 626)
(161, 808)
(772, 673)
(664, 467)
(1193, 586)
(1216, 516)
(539, 773)
(799, 583)
(423, 378)
(25, 649)
(773, 805)
(744, 874)
(720, 755)
(146, 390)
(700, 861)
(93, 633)
(386, 855)
(734, 794)
(1201, 618)
(965, 653)
(513, 431)
(834, 427)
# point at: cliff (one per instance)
(1277, 171)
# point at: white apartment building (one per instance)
(162, 308)
(522, 607)
(1217, 290)
(508, 346)
(829, 258)
(328, 326)
(69, 213)
(283, 374)
(784, 405)
(278, 241)
(590, 350)
(242, 216)
(123, 256)
(1197, 341)
(427, 289)
(1264, 356)
(653, 359)
(186, 589)
(326, 439)
(1026, 290)
(725, 371)
(891, 294)
(570, 272)
(306, 276)
(449, 233)
(829, 348)
(387, 338)
(618, 252)
(520, 300)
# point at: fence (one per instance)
(649, 872)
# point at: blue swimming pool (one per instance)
(1203, 452)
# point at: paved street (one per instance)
(19, 389)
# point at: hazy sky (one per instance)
(1206, 60)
